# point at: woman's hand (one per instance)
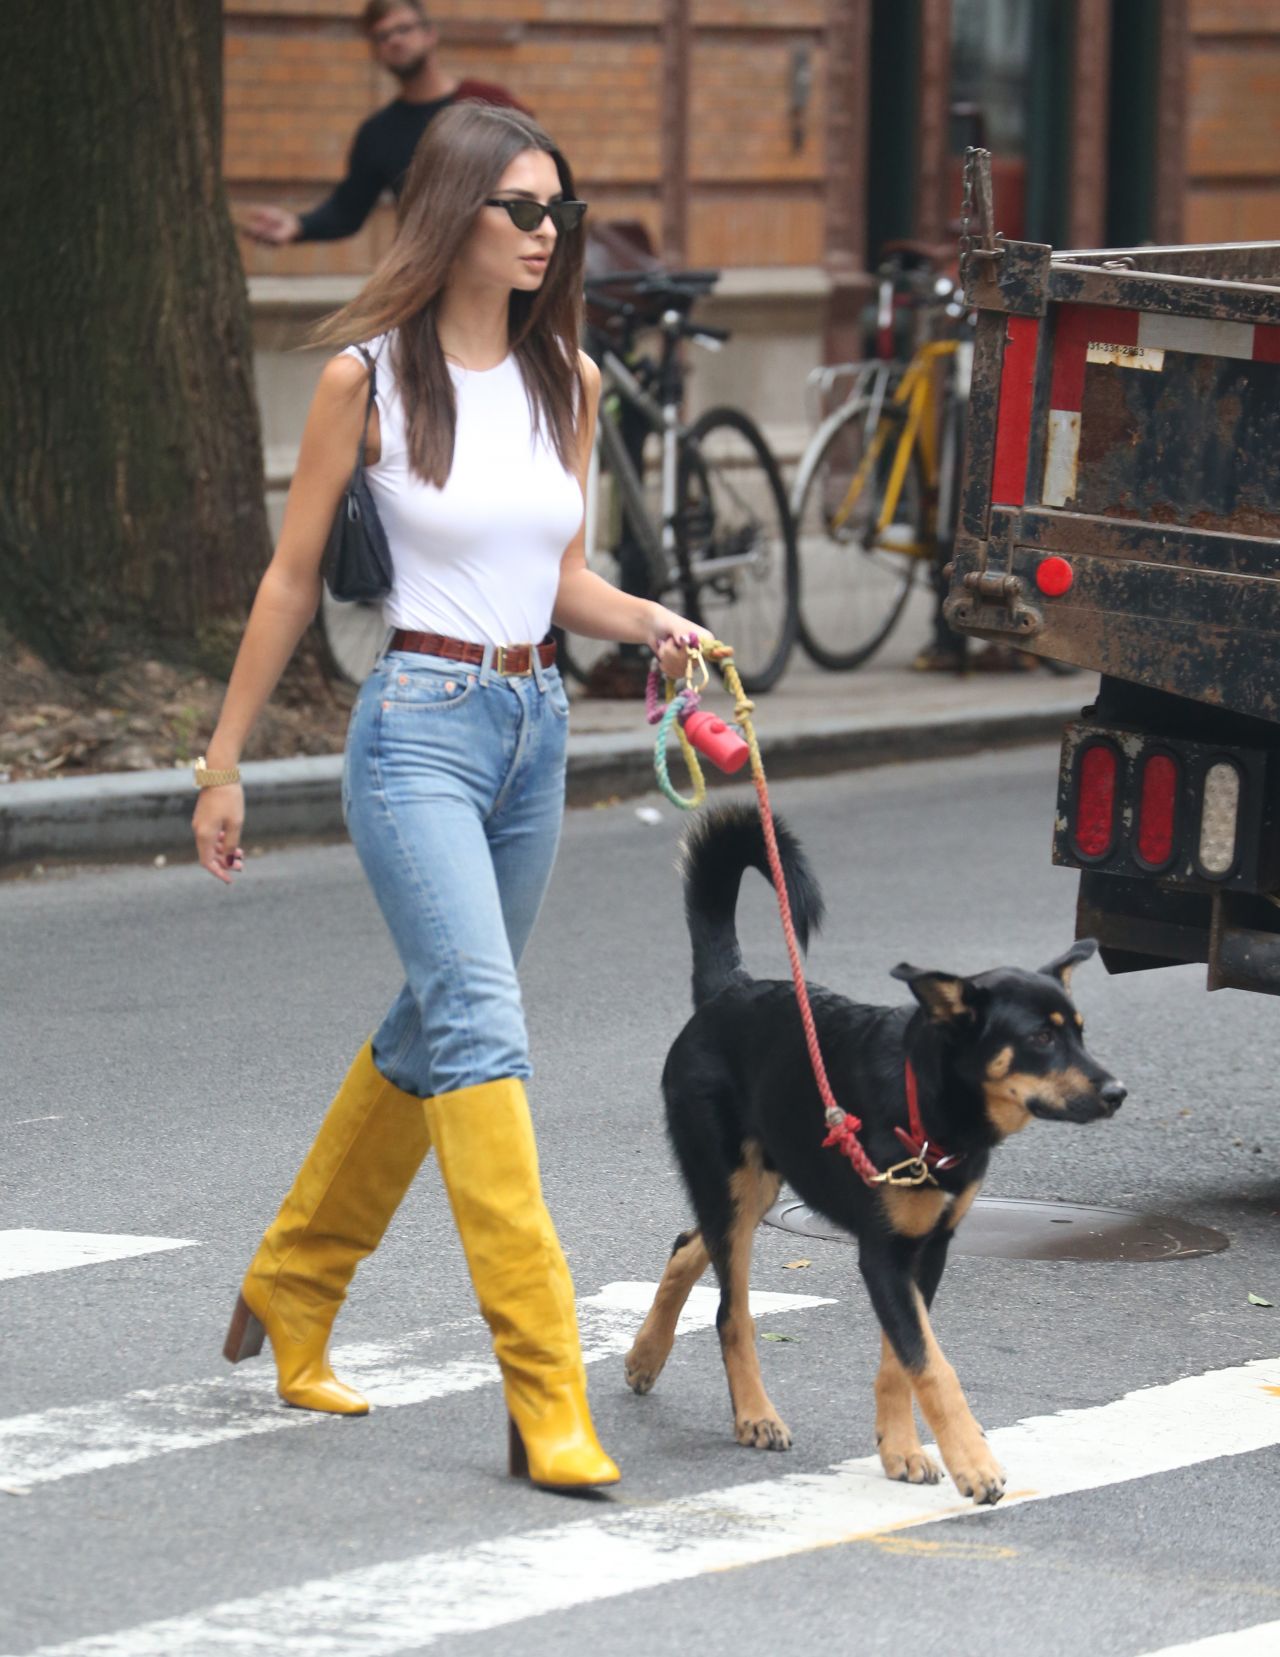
(217, 822)
(668, 638)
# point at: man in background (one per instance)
(403, 41)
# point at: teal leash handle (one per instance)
(674, 709)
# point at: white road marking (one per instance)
(1263, 1640)
(86, 1438)
(24, 1252)
(380, 1610)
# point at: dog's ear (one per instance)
(1065, 965)
(946, 998)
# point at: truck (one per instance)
(1120, 511)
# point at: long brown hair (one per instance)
(456, 166)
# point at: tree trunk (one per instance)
(133, 514)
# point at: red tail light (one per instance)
(1096, 800)
(1157, 808)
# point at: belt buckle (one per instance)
(500, 663)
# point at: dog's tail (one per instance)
(716, 851)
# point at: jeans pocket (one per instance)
(426, 690)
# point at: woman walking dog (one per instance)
(454, 773)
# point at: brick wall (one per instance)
(299, 80)
(1233, 122)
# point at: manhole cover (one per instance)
(1015, 1228)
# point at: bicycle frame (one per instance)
(917, 394)
(660, 542)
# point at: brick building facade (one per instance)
(792, 133)
(1232, 140)
(595, 72)
(783, 140)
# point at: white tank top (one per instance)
(479, 559)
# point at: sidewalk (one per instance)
(812, 722)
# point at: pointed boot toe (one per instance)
(300, 1347)
(573, 1462)
(327, 1394)
(304, 1378)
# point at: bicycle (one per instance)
(704, 522)
(875, 491)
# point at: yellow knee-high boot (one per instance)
(370, 1145)
(484, 1141)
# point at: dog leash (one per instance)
(843, 1127)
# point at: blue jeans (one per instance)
(453, 791)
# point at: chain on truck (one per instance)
(1121, 511)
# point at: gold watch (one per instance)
(205, 778)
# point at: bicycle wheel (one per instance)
(353, 635)
(737, 545)
(856, 579)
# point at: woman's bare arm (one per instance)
(287, 598)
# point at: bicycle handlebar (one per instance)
(667, 286)
(686, 284)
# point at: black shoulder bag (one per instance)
(357, 559)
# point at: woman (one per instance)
(454, 775)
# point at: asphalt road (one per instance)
(167, 1049)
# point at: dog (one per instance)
(982, 1054)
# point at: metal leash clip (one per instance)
(912, 1170)
(695, 662)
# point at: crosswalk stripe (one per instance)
(1262, 1640)
(25, 1251)
(403, 1605)
(85, 1438)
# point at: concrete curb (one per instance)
(140, 814)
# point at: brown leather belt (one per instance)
(507, 658)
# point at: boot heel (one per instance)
(245, 1335)
(517, 1455)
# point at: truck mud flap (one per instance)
(1140, 925)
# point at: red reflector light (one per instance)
(1054, 577)
(1096, 800)
(1156, 809)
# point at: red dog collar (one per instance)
(933, 1156)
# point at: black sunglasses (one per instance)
(528, 215)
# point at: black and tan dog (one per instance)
(980, 1055)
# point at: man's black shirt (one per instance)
(380, 157)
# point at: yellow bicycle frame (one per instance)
(917, 392)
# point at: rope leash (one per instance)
(678, 705)
(843, 1128)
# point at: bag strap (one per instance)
(368, 408)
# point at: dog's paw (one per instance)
(982, 1478)
(909, 1465)
(640, 1371)
(766, 1433)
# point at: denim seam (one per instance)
(508, 782)
(438, 931)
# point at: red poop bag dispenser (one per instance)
(716, 741)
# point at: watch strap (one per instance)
(205, 778)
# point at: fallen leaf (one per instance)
(796, 1265)
(794, 1339)
(1257, 1300)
